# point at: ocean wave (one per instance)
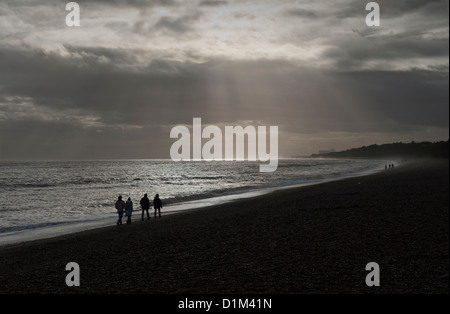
(206, 195)
(14, 186)
(85, 190)
(17, 228)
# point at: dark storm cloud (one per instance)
(223, 91)
(212, 3)
(180, 24)
(301, 13)
(171, 25)
(421, 38)
(397, 8)
(136, 108)
(102, 89)
(31, 139)
(131, 3)
(405, 98)
(94, 55)
(111, 3)
(355, 53)
(87, 99)
(391, 9)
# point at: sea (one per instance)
(41, 199)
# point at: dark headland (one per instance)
(400, 151)
(315, 239)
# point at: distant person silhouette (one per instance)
(157, 205)
(145, 205)
(120, 206)
(128, 210)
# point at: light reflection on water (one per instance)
(39, 194)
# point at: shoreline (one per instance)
(314, 239)
(66, 228)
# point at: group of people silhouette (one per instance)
(391, 166)
(127, 207)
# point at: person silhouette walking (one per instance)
(157, 205)
(128, 210)
(145, 205)
(120, 206)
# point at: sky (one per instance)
(116, 85)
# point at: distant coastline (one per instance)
(413, 150)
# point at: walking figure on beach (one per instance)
(120, 206)
(128, 210)
(157, 205)
(145, 205)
